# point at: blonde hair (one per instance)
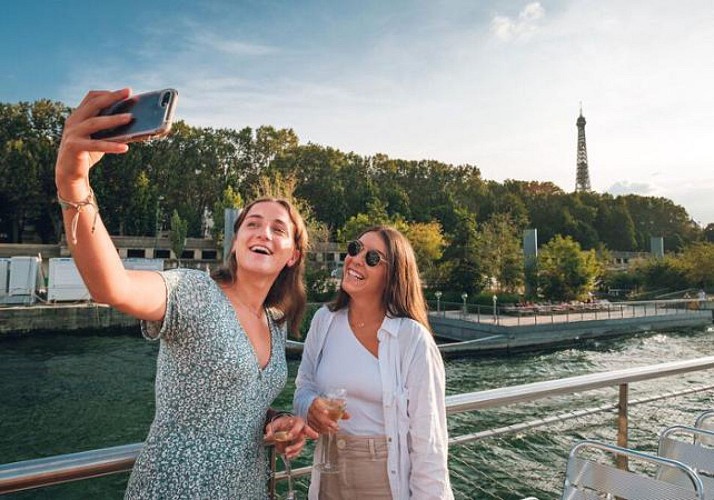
(403, 296)
(287, 294)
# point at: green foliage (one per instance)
(693, 268)
(565, 272)
(428, 241)
(697, 262)
(29, 137)
(709, 232)
(179, 230)
(501, 253)
(376, 216)
(321, 286)
(437, 205)
(466, 269)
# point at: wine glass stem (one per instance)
(328, 457)
(289, 473)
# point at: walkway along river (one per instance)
(65, 393)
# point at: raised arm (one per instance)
(139, 293)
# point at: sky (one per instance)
(496, 84)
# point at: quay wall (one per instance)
(61, 317)
(542, 335)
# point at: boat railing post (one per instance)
(622, 425)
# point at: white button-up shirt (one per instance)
(413, 399)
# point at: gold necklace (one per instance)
(362, 324)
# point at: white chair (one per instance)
(688, 445)
(591, 474)
(706, 421)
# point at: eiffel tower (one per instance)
(582, 179)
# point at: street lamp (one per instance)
(157, 227)
(495, 315)
(437, 294)
(464, 296)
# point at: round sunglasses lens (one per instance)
(372, 258)
(354, 247)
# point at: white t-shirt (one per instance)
(347, 363)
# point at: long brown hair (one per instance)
(287, 294)
(403, 295)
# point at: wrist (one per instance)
(72, 189)
(273, 415)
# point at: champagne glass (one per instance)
(335, 399)
(283, 437)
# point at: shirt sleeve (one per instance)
(168, 327)
(426, 407)
(306, 389)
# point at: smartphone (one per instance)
(152, 113)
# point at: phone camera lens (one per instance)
(165, 99)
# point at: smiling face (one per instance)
(264, 242)
(361, 280)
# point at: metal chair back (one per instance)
(686, 445)
(706, 421)
(592, 474)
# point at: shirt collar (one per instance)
(391, 325)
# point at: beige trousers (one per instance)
(363, 470)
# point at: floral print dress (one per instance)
(211, 398)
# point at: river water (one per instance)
(64, 393)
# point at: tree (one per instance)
(179, 230)
(614, 225)
(658, 273)
(466, 270)
(709, 232)
(376, 215)
(29, 136)
(501, 253)
(697, 261)
(565, 272)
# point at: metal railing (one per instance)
(565, 313)
(76, 466)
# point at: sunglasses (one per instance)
(372, 258)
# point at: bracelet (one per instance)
(277, 415)
(90, 200)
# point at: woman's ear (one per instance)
(295, 257)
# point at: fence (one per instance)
(506, 443)
(512, 315)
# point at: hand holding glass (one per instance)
(282, 439)
(335, 401)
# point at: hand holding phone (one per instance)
(152, 116)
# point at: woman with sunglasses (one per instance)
(374, 340)
(221, 360)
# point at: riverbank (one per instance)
(25, 320)
(466, 334)
(469, 336)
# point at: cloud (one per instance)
(626, 187)
(506, 28)
(210, 41)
